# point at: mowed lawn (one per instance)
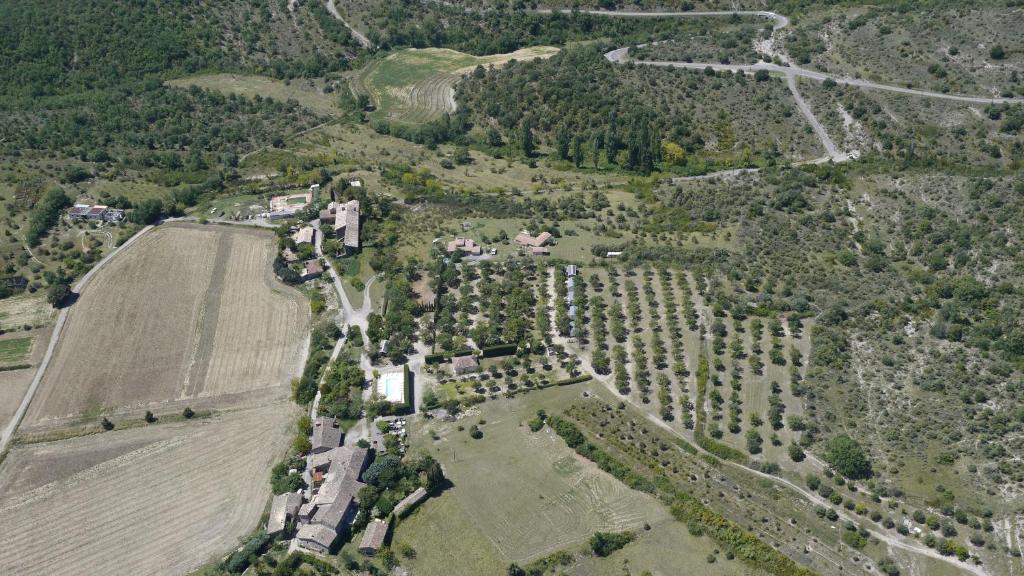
(14, 350)
(522, 494)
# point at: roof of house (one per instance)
(314, 267)
(409, 501)
(318, 534)
(523, 238)
(352, 223)
(283, 506)
(465, 245)
(373, 538)
(539, 250)
(343, 475)
(464, 362)
(326, 433)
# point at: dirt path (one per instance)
(12, 426)
(355, 33)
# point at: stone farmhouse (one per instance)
(334, 505)
(345, 219)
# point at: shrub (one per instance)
(604, 543)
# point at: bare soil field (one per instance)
(188, 315)
(13, 383)
(157, 500)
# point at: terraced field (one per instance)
(188, 315)
(157, 500)
(418, 85)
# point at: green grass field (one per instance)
(525, 494)
(15, 350)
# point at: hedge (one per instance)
(498, 350)
(576, 380)
(14, 367)
(440, 357)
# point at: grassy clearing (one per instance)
(29, 310)
(307, 92)
(660, 550)
(15, 350)
(440, 532)
(525, 492)
(417, 85)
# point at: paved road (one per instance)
(12, 426)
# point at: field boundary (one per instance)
(12, 426)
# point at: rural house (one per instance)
(524, 239)
(464, 245)
(373, 538)
(326, 434)
(312, 269)
(465, 364)
(346, 223)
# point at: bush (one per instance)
(604, 543)
(188, 412)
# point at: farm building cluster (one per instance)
(95, 213)
(327, 508)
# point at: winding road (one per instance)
(789, 70)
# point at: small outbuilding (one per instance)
(410, 502)
(373, 538)
(284, 507)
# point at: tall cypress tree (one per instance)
(526, 142)
(563, 140)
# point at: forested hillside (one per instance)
(595, 113)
